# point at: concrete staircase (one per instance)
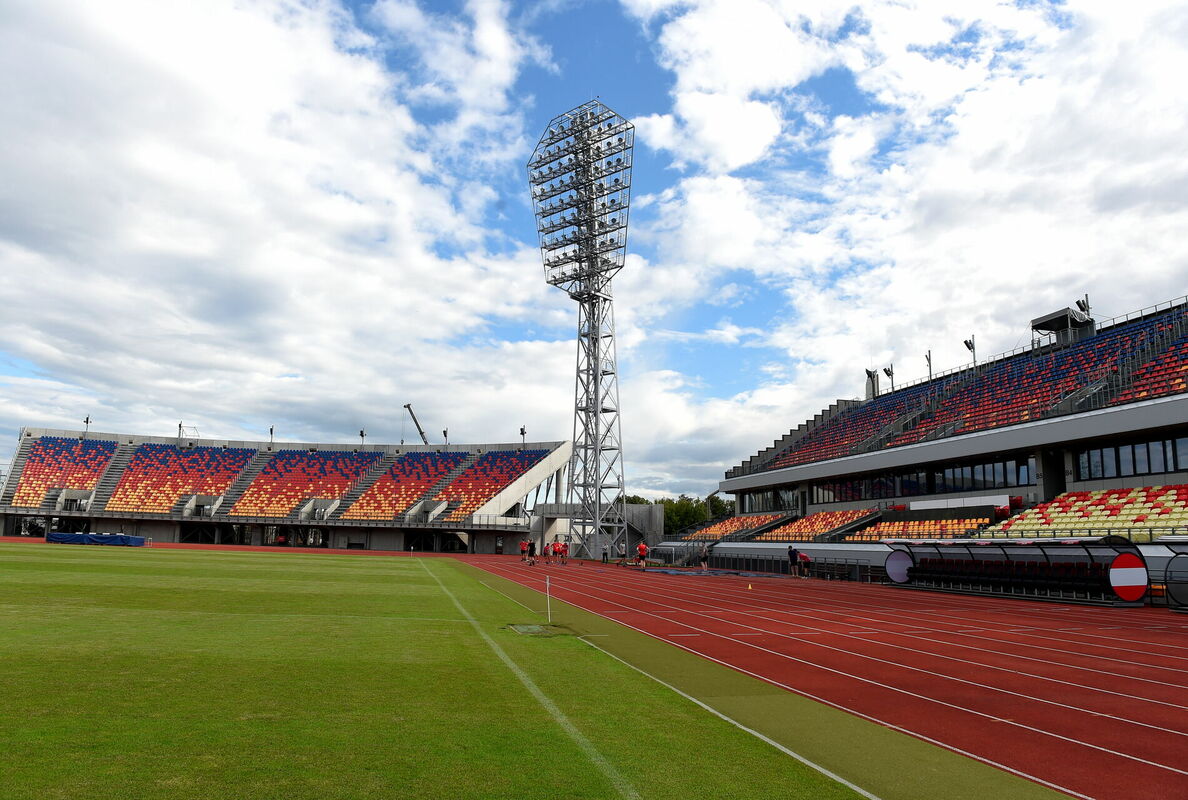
(436, 488)
(253, 468)
(111, 476)
(1104, 390)
(759, 462)
(14, 474)
(364, 483)
(50, 501)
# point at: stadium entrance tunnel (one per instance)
(1108, 570)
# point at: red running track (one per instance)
(1092, 701)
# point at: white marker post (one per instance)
(549, 599)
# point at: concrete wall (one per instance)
(386, 540)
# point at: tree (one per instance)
(720, 508)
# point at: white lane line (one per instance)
(874, 719)
(509, 597)
(684, 634)
(620, 783)
(810, 764)
(908, 692)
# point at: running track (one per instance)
(1092, 701)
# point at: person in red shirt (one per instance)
(523, 549)
(642, 549)
(564, 551)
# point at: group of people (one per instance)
(559, 551)
(555, 550)
(798, 563)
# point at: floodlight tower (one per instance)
(580, 174)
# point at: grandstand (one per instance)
(315, 494)
(1082, 432)
(815, 526)
(732, 526)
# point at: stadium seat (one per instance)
(806, 529)
(293, 476)
(736, 524)
(159, 475)
(403, 484)
(55, 462)
(920, 529)
(482, 480)
(1092, 513)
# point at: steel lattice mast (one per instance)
(580, 173)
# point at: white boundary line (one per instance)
(620, 783)
(808, 763)
(869, 681)
(509, 597)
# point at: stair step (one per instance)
(430, 494)
(254, 467)
(373, 474)
(111, 476)
(14, 473)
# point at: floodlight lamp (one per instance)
(1083, 306)
(969, 345)
(889, 372)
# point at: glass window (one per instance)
(1109, 462)
(1083, 465)
(1010, 472)
(1141, 467)
(1094, 463)
(979, 480)
(1125, 460)
(967, 477)
(1156, 457)
(1182, 454)
(1025, 473)
(999, 475)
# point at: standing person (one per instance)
(806, 564)
(622, 552)
(642, 550)
(523, 549)
(565, 552)
(606, 553)
(703, 556)
(793, 561)
(532, 553)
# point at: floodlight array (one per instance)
(580, 173)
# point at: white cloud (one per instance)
(225, 214)
(1016, 157)
(236, 215)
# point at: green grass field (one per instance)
(196, 674)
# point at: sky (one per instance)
(306, 214)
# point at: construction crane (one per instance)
(420, 430)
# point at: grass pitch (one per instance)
(198, 674)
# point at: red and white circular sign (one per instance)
(1128, 577)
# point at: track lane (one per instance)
(779, 633)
